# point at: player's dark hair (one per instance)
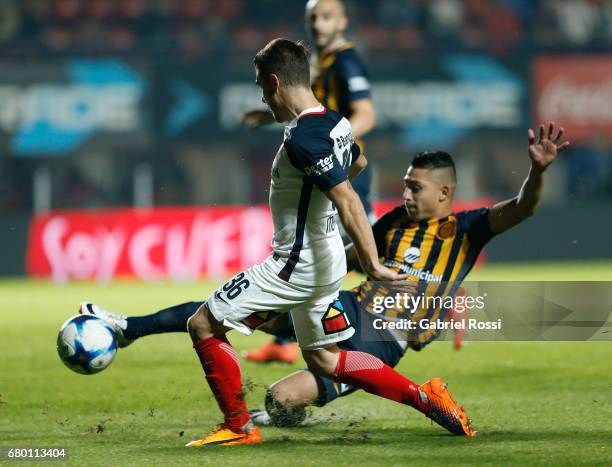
(434, 160)
(286, 59)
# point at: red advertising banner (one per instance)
(159, 244)
(174, 243)
(575, 92)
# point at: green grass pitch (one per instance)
(533, 403)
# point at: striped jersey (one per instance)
(317, 151)
(436, 253)
(340, 78)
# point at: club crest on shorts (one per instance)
(335, 319)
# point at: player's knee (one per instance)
(198, 324)
(284, 393)
(322, 362)
(282, 412)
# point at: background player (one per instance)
(340, 82)
(448, 244)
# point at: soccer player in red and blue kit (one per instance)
(305, 271)
(340, 82)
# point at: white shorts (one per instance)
(258, 295)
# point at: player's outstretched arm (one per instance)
(256, 118)
(356, 223)
(542, 152)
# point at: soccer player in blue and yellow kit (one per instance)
(424, 239)
(434, 246)
(340, 82)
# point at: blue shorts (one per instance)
(387, 350)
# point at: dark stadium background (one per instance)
(122, 154)
(107, 104)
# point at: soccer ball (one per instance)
(86, 344)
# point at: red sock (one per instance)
(369, 373)
(220, 363)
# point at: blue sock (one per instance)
(173, 319)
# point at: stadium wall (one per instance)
(13, 238)
(580, 232)
(187, 243)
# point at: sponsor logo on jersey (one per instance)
(420, 274)
(412, 255)
(322, 166)
(347, 140)
(335, 319)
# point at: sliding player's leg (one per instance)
(368, 372)
(371, 374)
(287, 398)
(129, 328)
(318, 331)
(174, 319)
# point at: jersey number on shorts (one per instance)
(236, 286)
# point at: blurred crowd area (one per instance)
(237, 171)
(224, 28)
(492, 168)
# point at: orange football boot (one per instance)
(223, 436)
(273, 352)
(444, 410)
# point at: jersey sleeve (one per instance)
(355, 152)
(313, 155)
(476, 224)
(382, 226)
(352, 76)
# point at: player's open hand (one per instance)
(383, 273)
(545, 149)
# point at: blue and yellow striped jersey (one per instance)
(437, 254)
(341, 79)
